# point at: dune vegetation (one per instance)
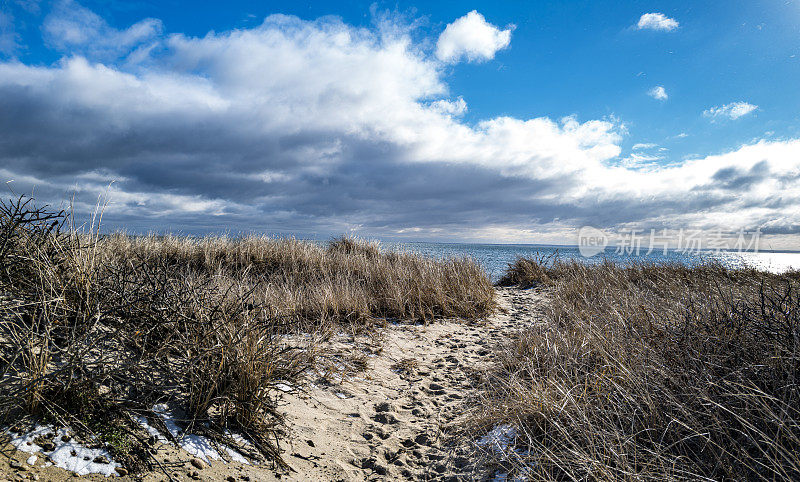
(634, 372)
(96, 329)
(650, 372)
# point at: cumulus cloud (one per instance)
(320, 127)
(734, 110)
(658, 92)
(656, 21)
(472, 38)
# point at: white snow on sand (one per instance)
(81, 463)
(236, 456)
(79, 459)
(197, 445)
(500, 439)
(150, 429)
(284, 387)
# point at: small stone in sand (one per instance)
(198, 463)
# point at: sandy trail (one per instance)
(383, 423)
(387, 424)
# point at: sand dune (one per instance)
(393, 420)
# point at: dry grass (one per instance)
(529, 272)
(652, 372)
(348, 281)
(94, 329)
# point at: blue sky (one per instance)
(580, 112)
(581, 58)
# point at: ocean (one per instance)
(495, 257)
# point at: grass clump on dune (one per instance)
(529, 272)
(117, 323)
(653, 372)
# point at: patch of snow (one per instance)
(499, 439)
(341, 395)
(150, 429)
(521, 477)
(236, 456)
(284, 387)
(82, 463)
(32, 460)
(196, 445)
(238, 438)
(24, 442)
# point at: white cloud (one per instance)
(318, 125)
(658, 92)
(72, 27)
(471, 37)
(638, 161)
(642, 156)
(656, 21)
(451, 107)
(734, 110)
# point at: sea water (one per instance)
(495, 258)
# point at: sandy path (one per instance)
(382, 423)
(388, 424)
